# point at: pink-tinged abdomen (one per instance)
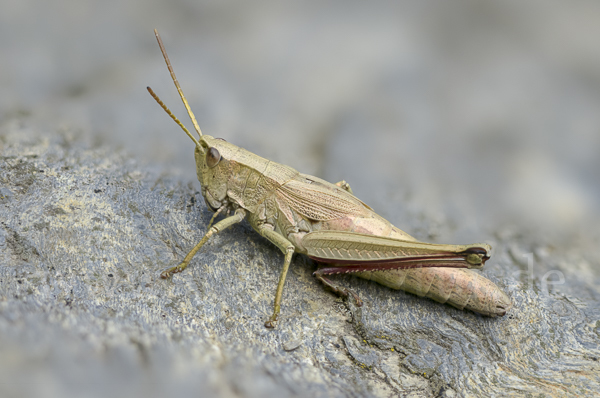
(461, 288)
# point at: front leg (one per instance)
(218, 227)
(288, 249)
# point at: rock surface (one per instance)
(85, 233)
(459, 124)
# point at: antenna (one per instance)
(187, 106)
(162, 105)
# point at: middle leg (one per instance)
(288, 249)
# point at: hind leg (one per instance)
(340, 291)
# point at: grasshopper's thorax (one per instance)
(234, 177)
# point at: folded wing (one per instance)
(319, 200)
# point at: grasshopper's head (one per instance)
(212, 169)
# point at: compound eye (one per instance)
(212, 157)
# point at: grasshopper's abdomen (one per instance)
(461, 288)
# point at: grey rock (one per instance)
(87, 231)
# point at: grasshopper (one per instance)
(303, 214)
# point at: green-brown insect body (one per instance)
(304, 214)
(261, 187)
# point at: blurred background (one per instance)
(472, 107)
